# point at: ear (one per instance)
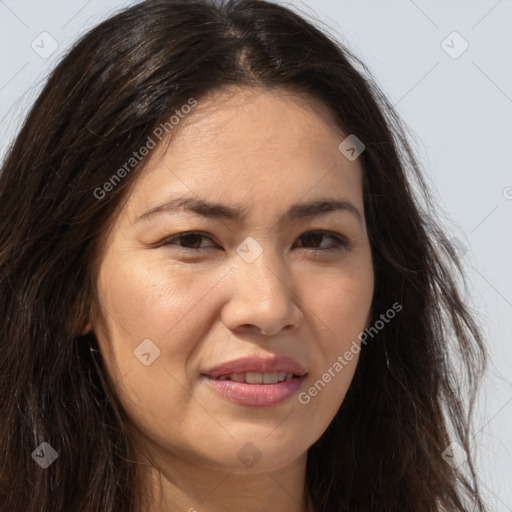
(368, 319)
(86, 329)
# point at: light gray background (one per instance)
(459, 110)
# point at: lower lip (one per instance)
(256, 395)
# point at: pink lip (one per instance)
(257, 364)
(257, 395)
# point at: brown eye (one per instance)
(189, 240)
(315, 237)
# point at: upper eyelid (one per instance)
(341, 238)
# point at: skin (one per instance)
(262, 150)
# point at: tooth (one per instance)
(270, 378)
(224, 377)
(238, 377)
(281, 376)
(289, 376)
(254, 378)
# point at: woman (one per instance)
(145, 371)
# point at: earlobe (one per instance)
(86, 329)
(368, 319)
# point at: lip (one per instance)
(256, 395)
(257, 364)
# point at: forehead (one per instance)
(239, 120)
(267, 147)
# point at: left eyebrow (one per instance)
(213, 209)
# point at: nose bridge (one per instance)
(263, 270)
(263, 294)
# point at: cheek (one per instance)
(341, 304)
(150, 299)
(156, 320)
(157, 315)
(341, 307)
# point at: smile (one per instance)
(258, 377)
(256, 381)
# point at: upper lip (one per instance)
(257, 364)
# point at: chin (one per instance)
(262, 455)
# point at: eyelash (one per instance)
(340, 244)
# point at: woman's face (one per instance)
(197, 322)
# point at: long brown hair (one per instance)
(409, 399)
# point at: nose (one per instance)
(263, 297)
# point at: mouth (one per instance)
(258, 377)
(257, 382)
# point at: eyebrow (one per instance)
(217, 210)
